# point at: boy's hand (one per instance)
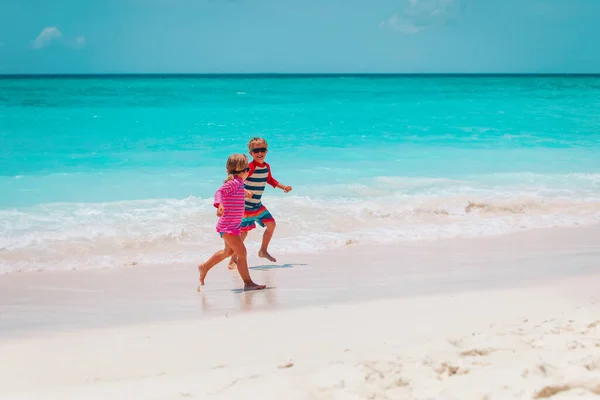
(220, 210)
(248, 193)
(287, 189)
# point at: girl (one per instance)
(229, 200)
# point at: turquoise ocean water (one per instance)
(113, 171)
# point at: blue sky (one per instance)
(113, 36)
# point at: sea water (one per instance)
(100, 171)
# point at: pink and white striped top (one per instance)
(231, 195)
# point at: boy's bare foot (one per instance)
(232, 263)
(253, 286)
(202, 270)
(265, 254)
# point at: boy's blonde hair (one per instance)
(255, 141)
(236, 163)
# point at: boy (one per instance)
(258, 177)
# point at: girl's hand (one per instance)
(220, 210)
(248, 193)
(287, 189)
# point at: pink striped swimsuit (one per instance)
(231, 195)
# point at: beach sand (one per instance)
(509, 317)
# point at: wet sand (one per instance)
(504, 317)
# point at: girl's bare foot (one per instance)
(265, 254)
(253, 286)
(202, 270)
(232, 263)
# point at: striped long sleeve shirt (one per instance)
(258, 177)
(231, 195)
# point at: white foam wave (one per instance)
(70, 235)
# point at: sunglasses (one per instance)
(247, 169)
(259, 150)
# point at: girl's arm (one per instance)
(228, 188)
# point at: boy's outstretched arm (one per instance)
(273, 182)
(284, 187)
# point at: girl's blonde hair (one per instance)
(236, 164)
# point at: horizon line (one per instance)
(299, 74)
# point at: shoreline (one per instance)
(513, 317)
(64, 236)
(31, 303)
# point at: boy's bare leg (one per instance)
(214, 260)
(233, 261)
(263, 252)
(237, 244)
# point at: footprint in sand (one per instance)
(550, 391)
(591, 365)
(477, 352)
(450, 370)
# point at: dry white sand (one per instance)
(539, 338)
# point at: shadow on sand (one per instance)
(250, 291)
(274, 266)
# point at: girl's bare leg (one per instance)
(237, 245)
(214, 260)
(232, 262)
